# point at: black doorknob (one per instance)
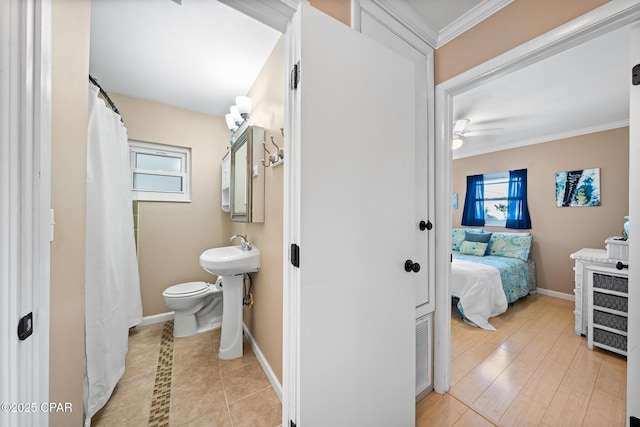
(425, 225)
(410, 266)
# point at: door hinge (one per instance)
(295, 76)
(295, 255)
(25, 327)
(635, 75)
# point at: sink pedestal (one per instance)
(230, 263)
(231, 333)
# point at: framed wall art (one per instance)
(578, 188)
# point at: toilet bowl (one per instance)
(197, 307)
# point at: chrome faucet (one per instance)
(246, 245)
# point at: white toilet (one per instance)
(197, 307)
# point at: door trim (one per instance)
(25, 252)
(607, 17)
(633, 357)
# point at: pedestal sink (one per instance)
(231, 262)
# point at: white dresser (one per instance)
(608, 307)
(585, 258)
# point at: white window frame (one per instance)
(184, 153)
(495, 177)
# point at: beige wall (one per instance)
(264, 320)
(69, 109)
(338, 9)
(558, 232)
(515, 24)
(171, 236)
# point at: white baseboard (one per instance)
(263, 362)
(156, 318)
(556, 294)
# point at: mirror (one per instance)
(247, 176)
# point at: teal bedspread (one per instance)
(518, 277)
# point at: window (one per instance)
(160, 172)
(498, 199)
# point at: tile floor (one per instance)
(181, 382)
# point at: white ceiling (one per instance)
(201, 54)
(579, 91)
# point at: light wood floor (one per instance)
(532, 371)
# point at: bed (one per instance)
(489, 271)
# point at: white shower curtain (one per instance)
(112, 288)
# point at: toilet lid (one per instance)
(187, 289)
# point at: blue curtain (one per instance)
(518, 212)
(473, 213)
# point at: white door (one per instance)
(382, 27)
(350, 330)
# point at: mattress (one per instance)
(486, 285)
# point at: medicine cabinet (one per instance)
(247, 176)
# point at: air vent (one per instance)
(423, 354)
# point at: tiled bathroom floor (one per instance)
(181, 382)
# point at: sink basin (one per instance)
(230, 260)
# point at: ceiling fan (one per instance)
(459, 133)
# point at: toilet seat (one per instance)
(188, 289)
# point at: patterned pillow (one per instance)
(481, 237)
(473, 248)
(510, 245)
(458, 235)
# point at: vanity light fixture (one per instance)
(238, 114)
(243, 103)
(235, 114)
(231, 124)
(456, 143)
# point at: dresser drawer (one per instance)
(613, 302)
(610, 283)
(609, 320)
(609, 339)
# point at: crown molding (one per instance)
(274, 13)
(474, 16)
(402, 12)
(541, 139)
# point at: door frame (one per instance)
(608, 17)
(25, 251)
(633, 357)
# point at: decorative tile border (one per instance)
(161, 400)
